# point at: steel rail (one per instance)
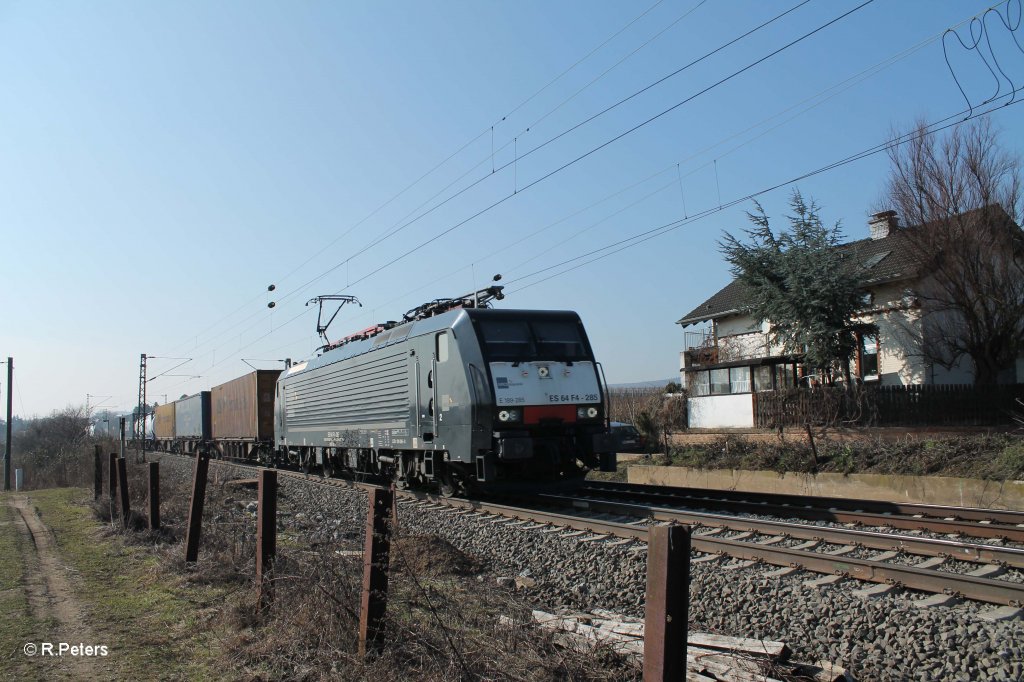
(812, 510)
(927, 580)
(1005, 516)
(954, 549)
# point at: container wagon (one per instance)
(192, 427)
(163, 426)
(242, 416)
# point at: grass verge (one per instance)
(17, 626)
(151, 620)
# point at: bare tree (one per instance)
(962, 195)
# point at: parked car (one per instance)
(628, 438)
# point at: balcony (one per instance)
(703, 349)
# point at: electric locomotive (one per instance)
(456, 394)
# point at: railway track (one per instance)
(982, 572)
(966, 521)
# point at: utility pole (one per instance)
(140, 430)
(7, 445)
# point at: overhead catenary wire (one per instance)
(660, 230)
(819, 170)
(462, 148)
(518, 157)
(881, 65)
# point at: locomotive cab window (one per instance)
(558, 339)
(442, 347)
(507, 339)
(521, 340)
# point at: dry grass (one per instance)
(443, 614)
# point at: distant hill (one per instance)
(655, 383)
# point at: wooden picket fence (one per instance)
(952, 405)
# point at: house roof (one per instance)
(888, 259)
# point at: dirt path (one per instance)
(50, 596)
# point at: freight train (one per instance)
(457, 395)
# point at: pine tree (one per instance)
(801, 284)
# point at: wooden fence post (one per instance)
(376, 553)
(97, 476)
(667, 612)
(154, 495)
(195, 510)
(122, 478)
(112, 486)
(266, 537)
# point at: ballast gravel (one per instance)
(885, 638)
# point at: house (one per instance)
(732, 356)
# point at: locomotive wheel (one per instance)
(329, 469)
(306, 462)
(450, 483)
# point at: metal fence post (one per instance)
(667, 612)
(154, 495)
(376, 553)
(122, 483)
(266, 536)
(97, 476)
(112, 485)
(195, 510)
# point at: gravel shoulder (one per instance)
(887, 638)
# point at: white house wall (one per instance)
(899, 358)
(736, 324)
(721, 411)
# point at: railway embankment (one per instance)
(886, 637)
(939, 490)
(979, 469)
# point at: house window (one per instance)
(720, 381)
(784, 376)
(739, 379)
(701, 383)
(869, 357)
(763, 378)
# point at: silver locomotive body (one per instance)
(466, 397)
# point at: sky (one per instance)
(162, 164)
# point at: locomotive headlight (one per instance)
(586, 412)
(508, 416)
(591, 412)
(543, 372)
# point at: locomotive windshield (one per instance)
(512, 340)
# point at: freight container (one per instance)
(243, 408)
(163, 422)
(192, 417)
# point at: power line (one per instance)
(458, 151)
(575, 160)
(616, 138)
(671, 226)
(551, 140)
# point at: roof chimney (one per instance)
(883, 224)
